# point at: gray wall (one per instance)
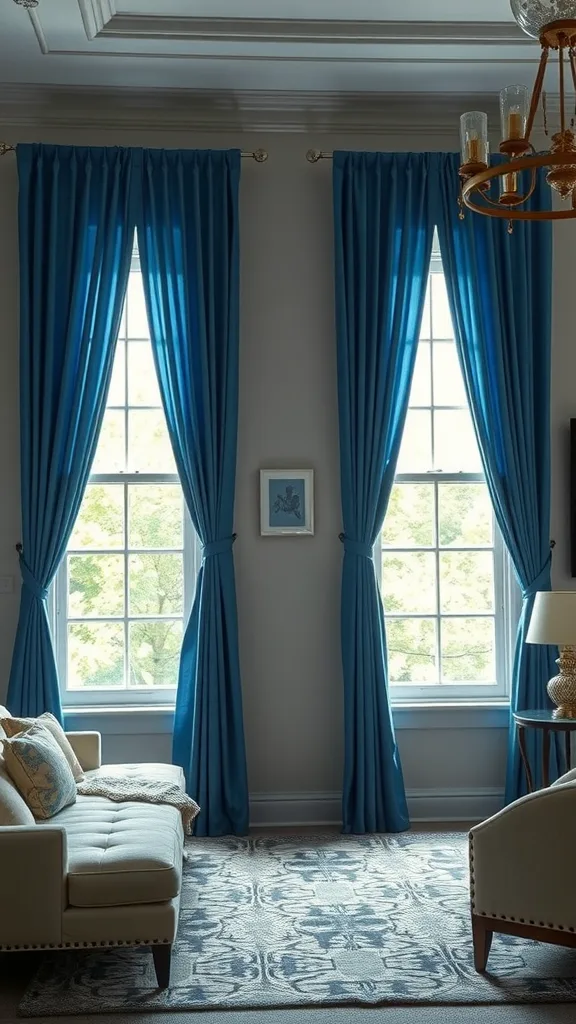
(288, 589)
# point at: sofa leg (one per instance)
(162, 954)
(482, 938)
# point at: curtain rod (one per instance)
(314, 155)
(259, 155)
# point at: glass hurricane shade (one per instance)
(532, 15)
(514, 107)
(474, 138)
(553, 618)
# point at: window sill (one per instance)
(151, 719)
(451, 714)
(121, 720)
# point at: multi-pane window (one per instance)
(123, 591)
(443, 567)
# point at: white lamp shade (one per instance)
(553, 618)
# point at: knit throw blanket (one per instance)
(149, 791)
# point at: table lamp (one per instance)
(554, 622)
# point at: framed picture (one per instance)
(286, 502)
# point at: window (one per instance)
(124, 590)
(446, 582)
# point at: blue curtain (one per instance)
(76, 231)
(188, 238)
(383, 239)
(499, 286)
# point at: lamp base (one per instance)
(562, 688)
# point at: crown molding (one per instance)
(384, 114)
(95, 16)
(300, 30)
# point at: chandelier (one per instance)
(553, 22)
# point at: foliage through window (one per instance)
(123, 591)
(443, 567)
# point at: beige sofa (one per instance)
(521, 870)
(96, 874)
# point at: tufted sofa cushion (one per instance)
(123, 853)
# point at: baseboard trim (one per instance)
(293, 809)
(281, 809)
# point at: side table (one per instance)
(544, 720)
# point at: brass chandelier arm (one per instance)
(561, 83)
(572, 60)
(537, 90)
(518, 201)
(526, 163)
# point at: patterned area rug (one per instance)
(313, 921)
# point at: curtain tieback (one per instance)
(218, 547)
(356, 547)
(540, 582)
(30, 581)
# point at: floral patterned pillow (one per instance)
(11, 726)
(40, 771)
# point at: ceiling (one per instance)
(443, 46)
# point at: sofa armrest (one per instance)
(33, 870)
(522, 860)
(88, 748)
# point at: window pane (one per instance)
(155, 653)
(149, 449)
(416, 448)
(448, 382)
(466, 581)
(95, 655)
(441, 319)
(464, 515)
(409, 519)
(155, 516)
(156, 584)
(100, 522)
(117, 390)
(455, 448)
(142, 379)
(110, 453)
(409, 582)
(467, 650)
(426, 324)
(411, 647)
(420, 392)
(137, 318)
(95, 585)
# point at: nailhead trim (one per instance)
(79, 945)
(493, 914)
(471, 861)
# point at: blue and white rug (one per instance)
(313, 921)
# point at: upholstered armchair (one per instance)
(522, 870)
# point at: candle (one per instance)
(510, 183)
(514, 125)
(473, 150)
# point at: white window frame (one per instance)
(58, 602)
(192, 557)
(507, 599)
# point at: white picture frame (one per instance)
(286, 502)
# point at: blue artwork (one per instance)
(286, 502)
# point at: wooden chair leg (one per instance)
(162, 954)
(482, 938)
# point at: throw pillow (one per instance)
(12, 726)
(4, 713)
(13, 809)
(38, 767)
